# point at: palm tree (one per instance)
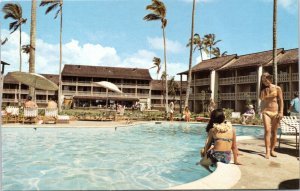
(209, 42)
(186, 103)
(32, 43)
(163, 78)
(275, 41)
(217, 53)
(198, 42)
(53, 4)
(173, 87)
(156, 62)
(14, 11)
(159, 13)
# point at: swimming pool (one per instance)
(148, 156)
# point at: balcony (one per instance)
(227, 81)
(10, 91)
(283, 77)
(226, 96)
(157, 96)
(198, 96)
(286, 95)
(295, 77)
(246, 79)
(201, 82)
(246, 95)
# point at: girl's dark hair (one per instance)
(268, 76)
(216, 116)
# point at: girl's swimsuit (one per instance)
(220, 156)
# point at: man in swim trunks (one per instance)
(272, 111)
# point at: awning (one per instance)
(104, 98)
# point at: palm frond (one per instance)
(58, 11)
(164, 23)
(151, 17)
(51, 7)
(13, 25)
(5, 40)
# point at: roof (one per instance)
(254, 59)
(289, 56)
(212, 64)
(157, 84)
(9, 79)
(106, 72)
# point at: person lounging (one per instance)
(220, 142)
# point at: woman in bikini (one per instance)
(220, 141)
(272, 111)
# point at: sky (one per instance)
(113, 32)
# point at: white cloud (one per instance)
(47, 56)
(172, 46)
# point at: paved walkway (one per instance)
(257, 172)
(281, 172)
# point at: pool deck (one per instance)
(256, 172)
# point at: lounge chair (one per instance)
(12, 114)
(30, 114)
(50, 115)
(63, 119)
(289, 125)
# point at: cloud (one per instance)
(47, 56)
(172, 46)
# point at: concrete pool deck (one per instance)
(256, 172)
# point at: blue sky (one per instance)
(113, 32)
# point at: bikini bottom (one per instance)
(271, 114)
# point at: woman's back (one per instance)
(222, 135)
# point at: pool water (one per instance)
(148, 156)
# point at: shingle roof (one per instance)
(212, 64)
(254, 59)
(9, 79)
(157, 84)
(289, 56)
(106, 72)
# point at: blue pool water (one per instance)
(148, 156)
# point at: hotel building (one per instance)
(233, 81)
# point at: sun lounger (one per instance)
(63, 119)
(50, 115)
(289, 125)
(30, 115)
(12, 114)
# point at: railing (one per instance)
(286, 95)
(198, 96)
(156, 96)
(295, 76)
(246, 79)
(200, 82)
(84, 84)
(226, 81)
(283, 77)
(99, 93)
(10, 90)
(69, 83)
(69, 92)
(246, 95)
(227, 96)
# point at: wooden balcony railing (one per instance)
(295, 76)
(246, 95)
(201, 82)
(286, 95)
(226, 96)
(226, 81)
(283, 77)
(246, 79)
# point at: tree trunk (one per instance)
(32, 44)
(186, 103)
(165, 59)
(60, 64)
(20, 67)
(275, 42)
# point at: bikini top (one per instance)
(270, 92)
(223, 139)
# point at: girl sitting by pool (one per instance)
(220, 141)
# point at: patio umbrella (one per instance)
(108, 85)
(35, 80)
